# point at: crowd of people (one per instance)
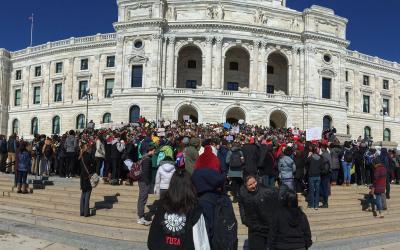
(193, 166)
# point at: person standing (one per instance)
(287, 167)
(3, 153)
(251, 154)
(145, 184)
(235, 162)
(379, 185)
(11, 149)
(347, 163)
(335, 152)
(23, 167)
(257, 206)
(117, 147)
(164, 175)
(325, 175)
(314, 165)
(87, 168)
(191, 154)
(268, 167)
(100, 154)
(70, 145)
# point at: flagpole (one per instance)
(31, 30)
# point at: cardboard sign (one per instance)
(313, 134)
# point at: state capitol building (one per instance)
(212, 61)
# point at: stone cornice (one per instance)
(361, 62)
(71, 48)
(321, 37)
(119, 26)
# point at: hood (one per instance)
(287, 160)
(167, 166)
(114, 141)
(316, 157)
(207, 180)
(195, 142)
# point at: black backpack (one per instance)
(236, 162)
(225, 227)
(348, 156)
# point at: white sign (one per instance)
(186, 118)
(313, 134)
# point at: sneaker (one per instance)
(315, 208)
(381, 215)
(143, 221)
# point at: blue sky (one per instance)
(373, 28)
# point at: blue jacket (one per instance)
(24, 161)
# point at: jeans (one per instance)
(346, 171)
(268, 180)
(334, 175)
(378, 201)
(99, 165)
(21, 177)
(288, 182)
(85, 200)
(144, 190)
(313, 191)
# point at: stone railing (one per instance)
(66, 42)
(372, 59)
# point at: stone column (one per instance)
(208, 63)
(262, 84)
(171, 62)
(218, 64)
(155, 64)
(254, 71)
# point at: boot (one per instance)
(24, 188)
(19, 188)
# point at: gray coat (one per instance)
(286, 167)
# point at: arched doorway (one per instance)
(277, 74)
(234, 115)
(236, 69)
(278, 119)
(134, 114)
(327, 122)
(188, 111)
(190, 67)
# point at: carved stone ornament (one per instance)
(138, 59)
(260, 17)
(139, 11)
(216, 12)
(171, 13)
(327, 72)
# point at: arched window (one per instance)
(348, 129)
(134, 114)
(367, 132)
(15, 126)
(56, 125)
(327, 122)
(386, 135)
(34, 126)
(107, 118)
(80, 121)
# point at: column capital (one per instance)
(219, 39)
(209, 39)
(171, 39)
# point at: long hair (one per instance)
(180, 197)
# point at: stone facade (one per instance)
(255, 60)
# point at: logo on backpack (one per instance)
(136, 170)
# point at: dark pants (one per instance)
(268, 180)
(21, 177)
(85, 201)
(115, 168)
(388, 181)
(334, 175)
(368, 174)
(325, 187)
(258, 241)
(99, 164)
(144, 190)
(360, 173)
(70, 163)
(3, 159)
(236, 182)
(313, 191)
(397, 175)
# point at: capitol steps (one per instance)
(58, 207)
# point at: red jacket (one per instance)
(379, 178)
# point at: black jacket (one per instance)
(268, 166)
(290, 230)
(146, 170)
(251, 155)
(314, 165)
(257, 208)
(85, 176)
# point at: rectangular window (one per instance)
(58, 92)
(326, 88)
(347, 99)
(36, 95)
(192, 64)
(366, 80)
(270, 89)
(17, 97)
(84, 64)
(347, 75)
(82, 89)
(59, 67)
(18, 74)
(233, 86)
(137, 76)
(365, 104)
(386, 84)
(110, 61)
(109, 88)
(38, 71)
(191, 84)
(385, 105)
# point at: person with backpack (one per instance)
(347, 163)
(335, 152)
(287, 167)
(117, 147)
(325, 174)
(217, 209)
(268, 168)
(235, 162)
(179, 222)
(144, 184)
(251, 154)
(23, 166)
(191, 154)
(379, 185)
(164, 175)
(47, 152)
(290, 228)
(257, 206)
(314, 164)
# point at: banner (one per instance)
(313, 134)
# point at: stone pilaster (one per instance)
(262, 83)
(171, 62)
(253, 85)
(208, 63)
(218, 64)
